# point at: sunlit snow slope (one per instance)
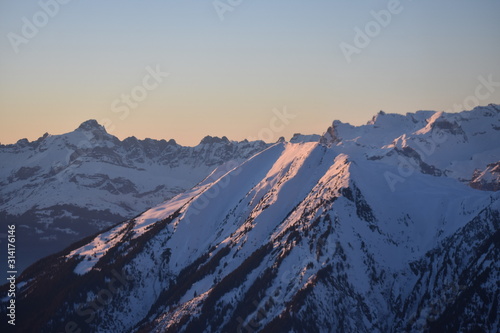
(376, 228)
(62, 188)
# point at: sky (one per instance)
(255, 69)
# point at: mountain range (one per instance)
(392, 226)
(62, 188)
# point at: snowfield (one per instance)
(377, 228)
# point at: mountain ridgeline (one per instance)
(62, 188)
(392, 226)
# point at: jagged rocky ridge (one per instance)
(62, 188)
(375, 228)
(489, 179)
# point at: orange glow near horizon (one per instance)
(225, 77)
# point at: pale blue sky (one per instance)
(227, 76)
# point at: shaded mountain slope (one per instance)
(373, 229)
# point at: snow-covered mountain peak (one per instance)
(389, 121)
(297, 138)
(91, 125)
(370, 230)
(91, 133)
(385, 128)
(380, 131)
(375, 117)
(213, 139)
(61, 188)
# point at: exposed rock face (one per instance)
(378, 231)
(62, 188)
(487, 180)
